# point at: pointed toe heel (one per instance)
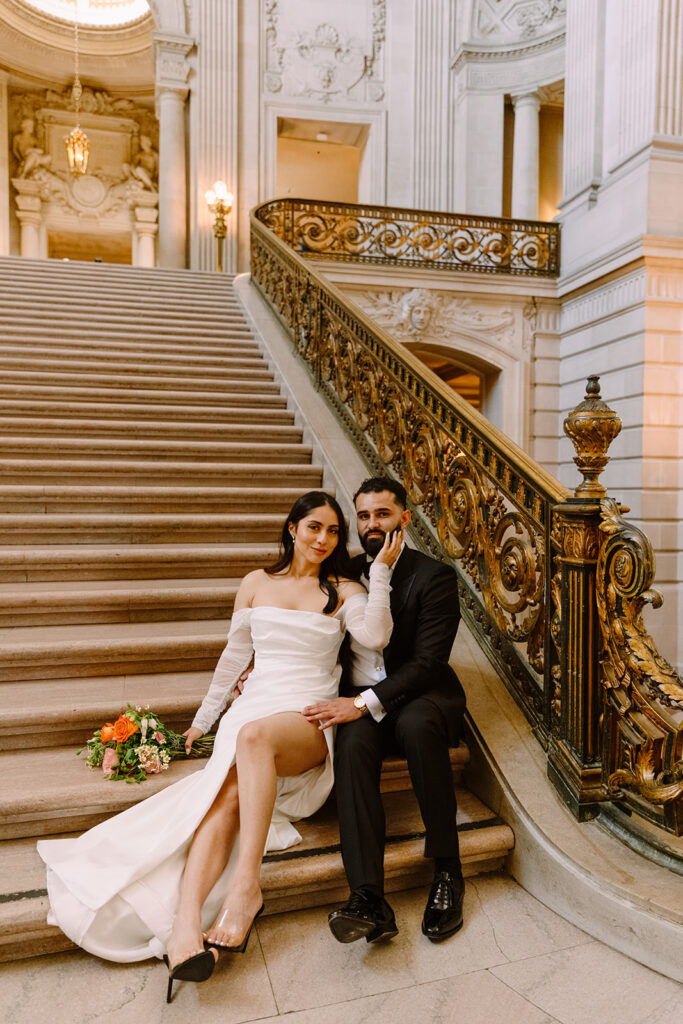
(196, 968)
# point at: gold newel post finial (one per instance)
(591, 427)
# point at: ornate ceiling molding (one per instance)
(59, 34)
(38, 50)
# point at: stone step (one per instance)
(190, 348)
(191, 452)
(61, 712)
(63, 498)
(152, 528)
(21, 355)
(20, 296)
(307, 875)
(93, 601)
(236, 379)
(112, 330)
(176, 430)
(132, 562)
(203, 474)
(265, 394)
(20, 267)
(21, 308)
(113, 411)
(106, 649)
(105, 370)
(48, 791)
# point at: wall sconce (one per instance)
(219, 201)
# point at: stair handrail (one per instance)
(539, 583)
(363, 233)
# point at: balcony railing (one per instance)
(552, 583)
(409, 238)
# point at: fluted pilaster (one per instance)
(214, 127)
(669, 110)
(431, 122)
(583, 96)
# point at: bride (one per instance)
(177, 875)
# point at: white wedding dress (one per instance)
(114, 890)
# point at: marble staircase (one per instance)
(147, 458)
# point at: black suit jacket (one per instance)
(426, 613)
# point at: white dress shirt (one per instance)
(367, 667)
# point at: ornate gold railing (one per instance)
(542, 576)
(443, 241)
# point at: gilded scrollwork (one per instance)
(345, 231)
(488, 513)
(625, 574)
(483, 506)
(643, 693)
(640, 774)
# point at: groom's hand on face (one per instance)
(332, 712)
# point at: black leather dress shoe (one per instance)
(443, 913)
(363, 917)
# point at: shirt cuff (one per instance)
(373, 704)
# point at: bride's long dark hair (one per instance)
(335, 565)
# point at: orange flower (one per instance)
(123, 729)
(107, 733)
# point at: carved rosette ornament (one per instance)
(591, 427)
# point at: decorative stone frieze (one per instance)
(328, 59)
(504, 20)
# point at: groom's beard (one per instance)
(373, 542)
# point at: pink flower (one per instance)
(159, 737)
(152, 766)
(110, 762)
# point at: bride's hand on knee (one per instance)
(191, 735)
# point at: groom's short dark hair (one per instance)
(376, 484)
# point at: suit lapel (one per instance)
(402, 580)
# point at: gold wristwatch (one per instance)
(359, 703)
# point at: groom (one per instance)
(405, 700)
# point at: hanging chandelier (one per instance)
(77, 144)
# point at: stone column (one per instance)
(525, 157)
(171, 91)
(4, 166)
(29, 215)
(145, 229)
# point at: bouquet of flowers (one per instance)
(138, 744)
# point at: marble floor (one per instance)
(514, 962)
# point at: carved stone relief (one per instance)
(426, 315)
(495, 20)
(325, 60)
(123, 172)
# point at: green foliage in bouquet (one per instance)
(138, 744)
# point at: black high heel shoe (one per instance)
(196, 968)
(243, 944)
